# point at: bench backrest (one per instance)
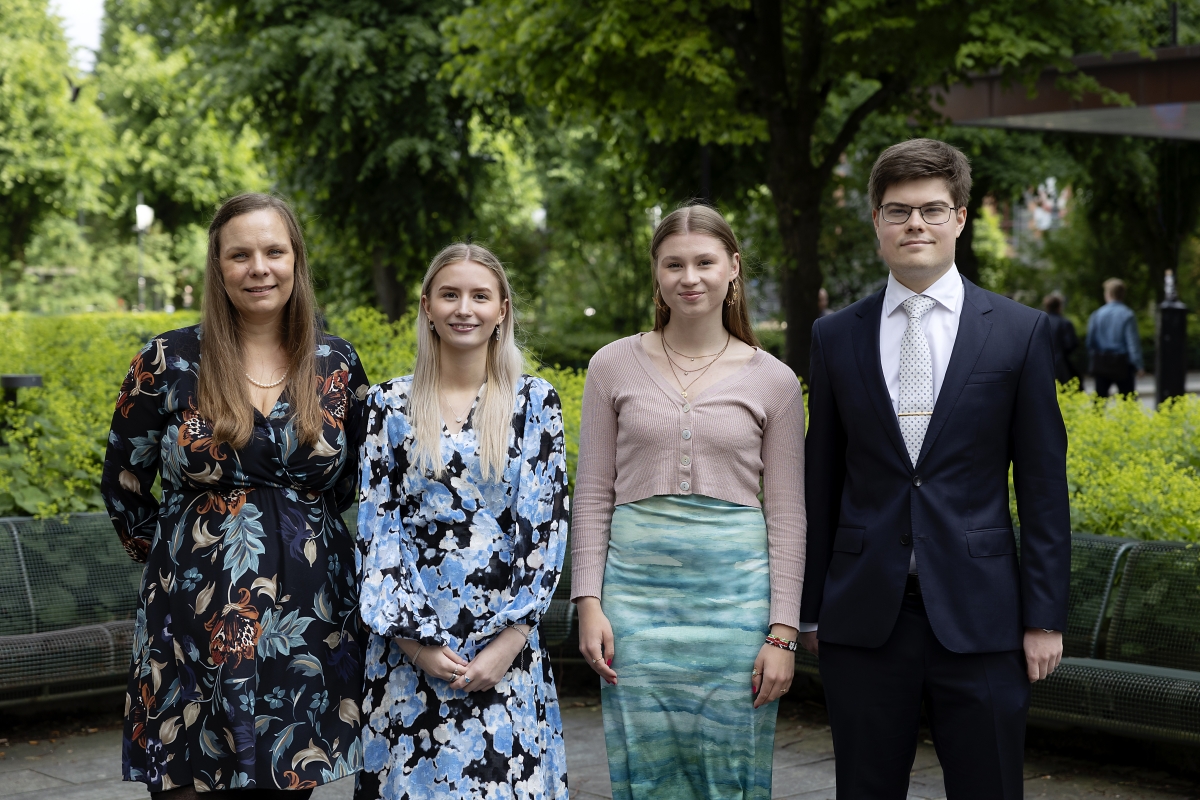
(1094, 564)
(56, 575)
(1156, 615)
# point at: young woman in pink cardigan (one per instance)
(688, 587)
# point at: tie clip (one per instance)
(915, 414)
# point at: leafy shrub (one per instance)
(1131, 472)
(53, 453)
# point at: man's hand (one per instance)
(1043, 651)
(808, 641)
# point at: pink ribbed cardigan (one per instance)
(640, 438)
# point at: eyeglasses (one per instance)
(934, 214)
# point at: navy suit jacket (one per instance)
(868, 506)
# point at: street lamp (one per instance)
(143, 219)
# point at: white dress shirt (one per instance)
(940, 325)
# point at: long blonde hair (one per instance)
(221, 394)
(708, 221)
(493, 414)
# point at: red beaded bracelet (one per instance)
(781, 643)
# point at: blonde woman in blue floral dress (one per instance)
(462, 532)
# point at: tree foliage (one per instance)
(364, 130)
(54, 143)
(799, 77)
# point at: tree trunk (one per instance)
(798, 210)
(390, 294)
(964, 251)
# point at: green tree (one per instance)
(798, 77)
(55, 147)
(182, 155)
(366, 132)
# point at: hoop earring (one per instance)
(659, 303)
(733, 294)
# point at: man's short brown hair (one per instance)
(917, 159)
(1115, 288)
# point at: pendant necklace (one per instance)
(691, 358)
(458, 417)
(684, 389)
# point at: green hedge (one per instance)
(1132, 472)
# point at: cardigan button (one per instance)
(684, 486)
(686, 434)
(686, 461)
(687, 407)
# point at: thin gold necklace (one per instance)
(684, 389)
(685, 355)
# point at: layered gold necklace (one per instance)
(676, 368)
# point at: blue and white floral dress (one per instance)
(454, 561)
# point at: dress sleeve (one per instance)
(595, 485)
(783, 505)
(132, 458)
(345, 492)
(540, 514)
(392, 601)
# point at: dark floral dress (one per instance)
(454, 561)
(246, 668)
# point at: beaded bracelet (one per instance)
(781, 643)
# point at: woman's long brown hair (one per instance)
(222, 396)
(708, 221)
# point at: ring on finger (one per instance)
(754, 673)
(454, 676)
(466, 679)
(597, 660)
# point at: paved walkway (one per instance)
(87, 767)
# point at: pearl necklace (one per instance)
(267, 385)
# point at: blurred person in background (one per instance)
(1063, 339)
(247, 672)
(1114, 347)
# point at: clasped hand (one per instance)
(490, 666)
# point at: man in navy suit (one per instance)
(921, 397)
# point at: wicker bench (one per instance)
(68, 594)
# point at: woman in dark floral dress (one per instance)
(462, 531)
(246, 673)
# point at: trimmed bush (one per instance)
(1132, 472)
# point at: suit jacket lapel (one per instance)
(973, 330)
(866, 352)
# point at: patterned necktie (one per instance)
(915, 404)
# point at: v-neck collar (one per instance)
(644, 359)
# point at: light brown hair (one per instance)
(493, 416)
(222, 397)
(705, 220)
(917, 159)
(1115, 288)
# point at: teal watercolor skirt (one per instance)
(687, 590)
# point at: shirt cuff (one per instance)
(807, 627)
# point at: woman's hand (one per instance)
(773, 669)
(439, 662)
(492, 663)
(596, 638)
